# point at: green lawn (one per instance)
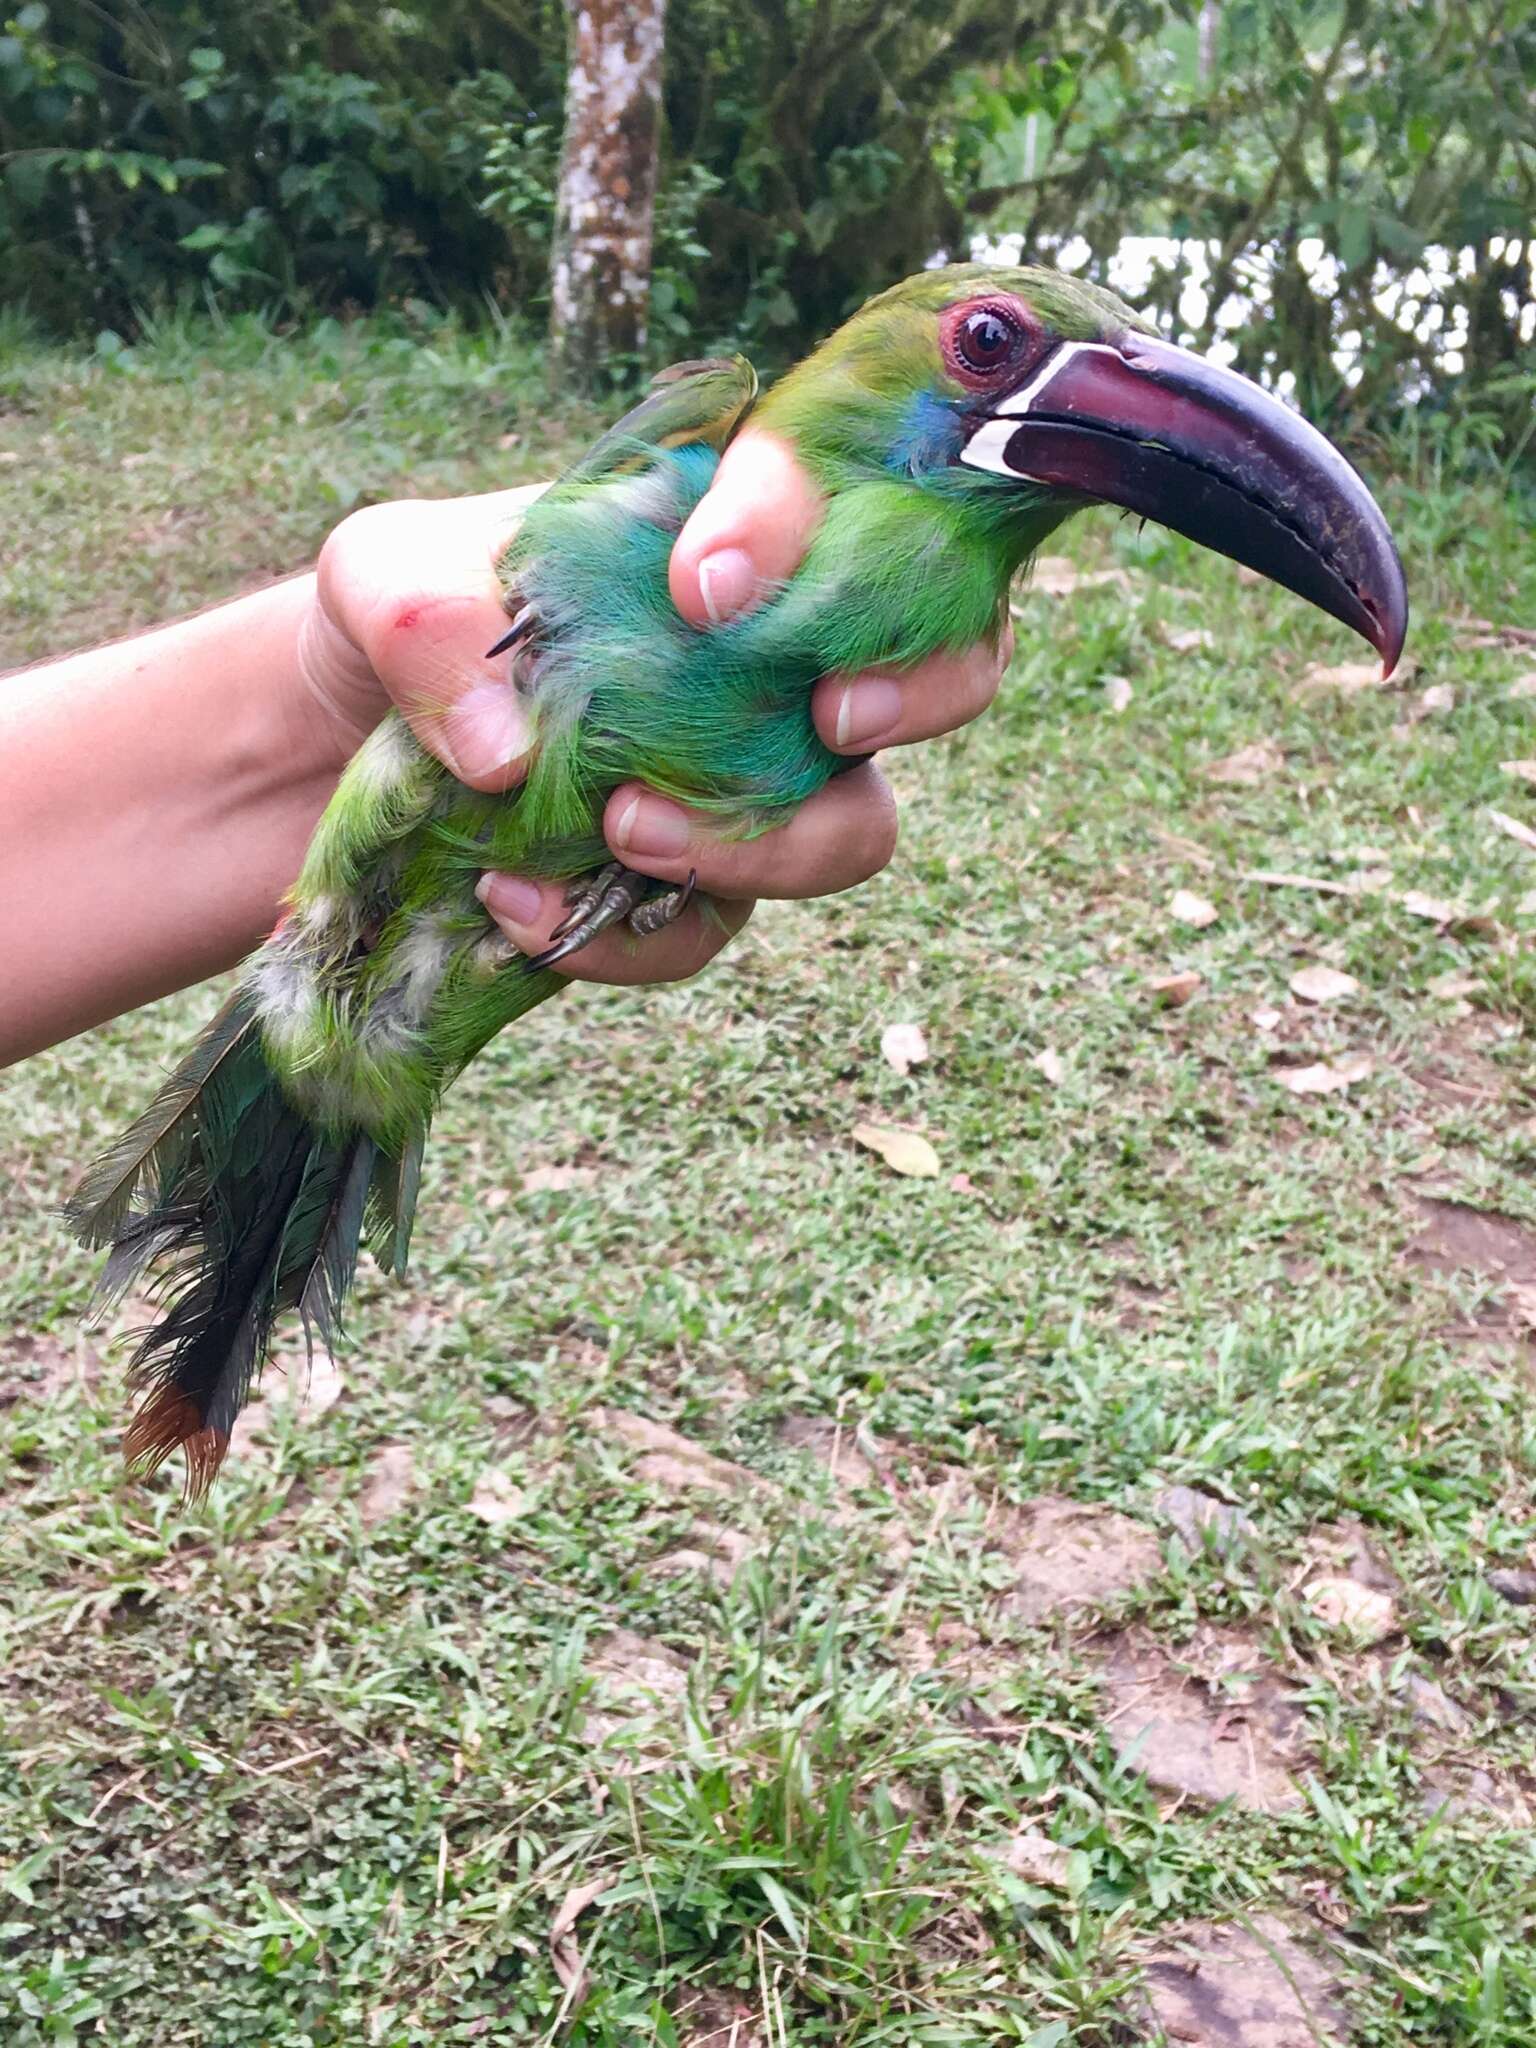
(735, 1595)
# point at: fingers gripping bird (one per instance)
(951, 424)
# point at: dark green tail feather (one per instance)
(245, 1209)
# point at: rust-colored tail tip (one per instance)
(166, 1421)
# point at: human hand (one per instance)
(408, 601)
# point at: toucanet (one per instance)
(951, 425)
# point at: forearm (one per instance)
(156, 797)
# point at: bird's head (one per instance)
(1028, 394)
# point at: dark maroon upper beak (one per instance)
(1139, 423)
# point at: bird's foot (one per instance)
(614, 895)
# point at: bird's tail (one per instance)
(247, 1208)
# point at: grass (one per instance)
(321, 1761)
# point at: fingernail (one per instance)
(650, 825)
(868, 711)
(726, 580)
(485, 731)
(510, 897)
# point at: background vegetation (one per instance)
(1355, 180)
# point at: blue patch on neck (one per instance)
(930, 436)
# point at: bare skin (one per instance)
(159, 792)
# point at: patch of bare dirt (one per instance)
(1248, 1985)
(668, 1459)
(835, 1446)
(1461, 1788)
(1202, 1521)
(1457, 1238)
(1071, 1554)
(1211, 1722)
(39, 1367)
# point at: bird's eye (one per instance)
(986, 339)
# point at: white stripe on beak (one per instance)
(984, 450)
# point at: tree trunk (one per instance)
(600, 271)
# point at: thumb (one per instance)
(748, 532)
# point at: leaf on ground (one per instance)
(1436, 909)
(1059, 576)
(391, 1479)
(497, 1498)
(1252, 764)
(564, 1949)
(1350, 677)
(1185, 639)
(541, 1179)
(1117, 693)
(1453, 986)
(1514, 828)
(1039, 1860)
(904, 1152)
(1360, 1611)
(1266, 1017)
(1187, 908)
(1049, 1064)
(1326, 1077)
(1523, 686)
(903, 1046)
(1439, 697)
(1318, 983)
(1173, 991)
(1523, 771)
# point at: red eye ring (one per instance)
(985, 340)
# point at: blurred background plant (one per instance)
(1344, 191)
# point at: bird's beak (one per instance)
(1139, 423)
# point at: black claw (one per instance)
(520, 626)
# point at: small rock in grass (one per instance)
(1514, 1584)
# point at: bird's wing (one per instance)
(703, 401)
(698, 401)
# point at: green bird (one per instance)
(952, 424)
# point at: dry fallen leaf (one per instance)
(1523, 686)
(1059, 576)
(1117, 693)
(1039, 1860)
(1439, 697)
(555, 1179)
(1360, 1611)
(1524, 771)
(391, 1479)
(904, 1152)
(1185, 639)
(1251, 764)
(1514, 828)
(1347, 676)
(903, 1046)
(1190, 909)
(1453, 986)
(564, 1949)
(1049, 1064)
(497, 1499)
(1326, 1077)
(1320, 984)
(1437, 909)
(1173, 991)
(1266, 1017)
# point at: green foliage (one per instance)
(1311, 162)
(1355, 181)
